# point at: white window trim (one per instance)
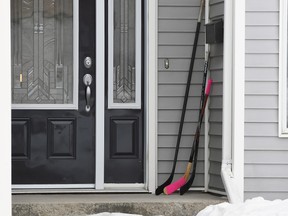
(74, 105)
(283, 22)
(138, 43)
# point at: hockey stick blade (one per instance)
(160, 188)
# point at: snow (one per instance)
(113, 214)
(252, 207)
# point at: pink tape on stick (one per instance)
(208, 88)
(174, 186)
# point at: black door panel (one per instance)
(58, 146)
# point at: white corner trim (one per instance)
(282, 116)
(232, 169)
(100, 94)
(5, 108)
(151, 96)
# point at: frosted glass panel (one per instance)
(124, 52)
(42, 51)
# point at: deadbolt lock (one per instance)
(87, 62)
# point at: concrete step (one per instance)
(85, 204)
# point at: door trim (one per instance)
(52, 186)
(151, 99)
(100, 95)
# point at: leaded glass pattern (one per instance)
(42, 51)
(124, 52)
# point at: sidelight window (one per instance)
(44, 54)
(124, 58)
(283, 70)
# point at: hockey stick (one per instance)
(160, 188)
(182, 182)
(179, 183)
(194, 150)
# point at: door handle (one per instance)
(87, 80)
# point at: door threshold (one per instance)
(87, 188)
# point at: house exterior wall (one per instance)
(176, 30)
(216, 11)
(266, 155)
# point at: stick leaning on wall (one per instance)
(160, 188)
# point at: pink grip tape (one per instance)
(174, 186)
(207, 92)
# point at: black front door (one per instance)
(53, 111)
(124, 108)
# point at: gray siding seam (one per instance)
(216, 148)
(263, 150)
(262, 81)
(216, 17)
(266, 177)
(261, 136)
(261, 66)
(265, 163)
(262, 53)
(260, 108)
(264, 191)
(262, 39)
(261, 94)
(261, 11)
(262, 25)
(215, 3)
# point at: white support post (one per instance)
(100, 93)
(151, 96)
(232, 169)
(238, 94)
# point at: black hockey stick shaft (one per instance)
(202, 99)
(160, 188)
(194, 151)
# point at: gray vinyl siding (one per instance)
(215, 107)
(266, 155)
(176, 30)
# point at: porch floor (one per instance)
(84, 204)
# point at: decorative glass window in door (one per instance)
(124, 61)
(44, 55)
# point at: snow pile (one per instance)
(113, 214)
(251, 207)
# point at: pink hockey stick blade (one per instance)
(208, 88)
(174, 186)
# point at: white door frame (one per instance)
(150, 130)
